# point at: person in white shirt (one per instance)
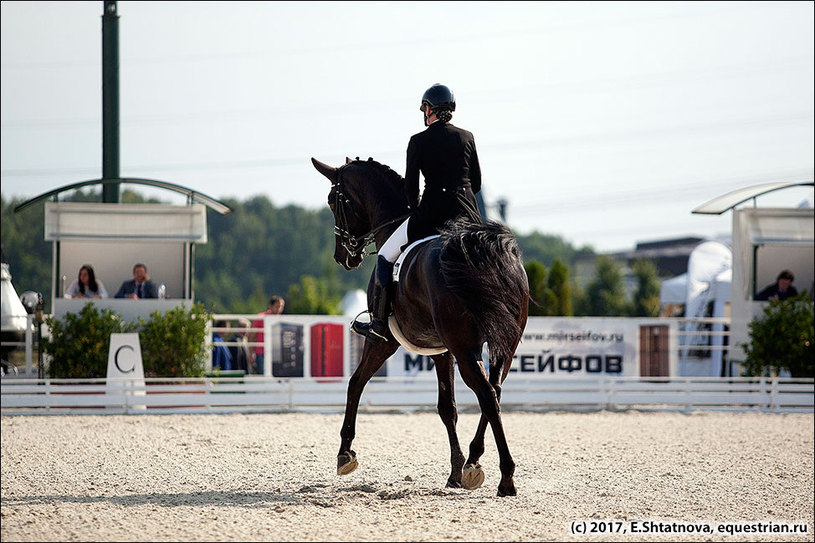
(86, 285)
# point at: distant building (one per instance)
(670, 257)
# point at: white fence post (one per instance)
(267, 346)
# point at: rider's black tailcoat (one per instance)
(446, 156)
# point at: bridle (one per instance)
(354, 245)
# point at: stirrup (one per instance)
(366, 330)
(360, 327)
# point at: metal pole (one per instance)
(110, 101)
(29, 344)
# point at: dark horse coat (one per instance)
(460, 290)
(446, 156)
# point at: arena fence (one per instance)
(259, 394)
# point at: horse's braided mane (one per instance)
(385, 170)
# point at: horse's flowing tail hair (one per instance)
(481, 264)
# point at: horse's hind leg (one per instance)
(445, 373)
(473, 473)
(373, 356)
(475, 378)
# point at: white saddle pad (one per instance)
(393, 325)
(410, 347)
(398, 264)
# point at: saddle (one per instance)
(398, 264)
(393, 324)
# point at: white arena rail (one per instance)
(251, 394)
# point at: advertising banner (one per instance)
(554, 347)
(551, 347)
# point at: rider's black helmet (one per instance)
(438, 97)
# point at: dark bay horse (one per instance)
(455, 292)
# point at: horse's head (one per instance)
(352, 225)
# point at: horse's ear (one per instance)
(328, 171)
(348, 160)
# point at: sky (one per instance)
(605, 123)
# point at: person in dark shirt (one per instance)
(140, 286)
(781, 289)
(446, 156)
(221, 355)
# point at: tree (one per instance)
(310, 297)
(646, 297)
(558, 284)
(547, 248)
(782, 337)
(256, 251)
(606, 292)
(259, 250)
(543, 301)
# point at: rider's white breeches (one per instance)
(391, 249)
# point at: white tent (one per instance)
(705, 292)
(722, 287)
(354, 302)
(14, 320)
(673, 291)
(706, 262)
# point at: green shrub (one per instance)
(79, 345)
(173, 344)
(782, 338)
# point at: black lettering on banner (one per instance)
(614, 364)
(570, 363)
(419, 363)
(550, 363)
(413, 363)
(591, 363)
(594, 363)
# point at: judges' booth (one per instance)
(766, 240)
(113, 238)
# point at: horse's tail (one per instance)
(481, 264)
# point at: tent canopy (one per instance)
(672, 291)
(728, 201)
(94, 221)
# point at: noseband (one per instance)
(354, 245)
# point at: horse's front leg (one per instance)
(373, 356)
(445, 373)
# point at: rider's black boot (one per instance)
(377, 330)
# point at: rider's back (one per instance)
(447, 158)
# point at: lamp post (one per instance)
(110, 101)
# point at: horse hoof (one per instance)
(346, 463)
(507, 490)
(472, 477)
